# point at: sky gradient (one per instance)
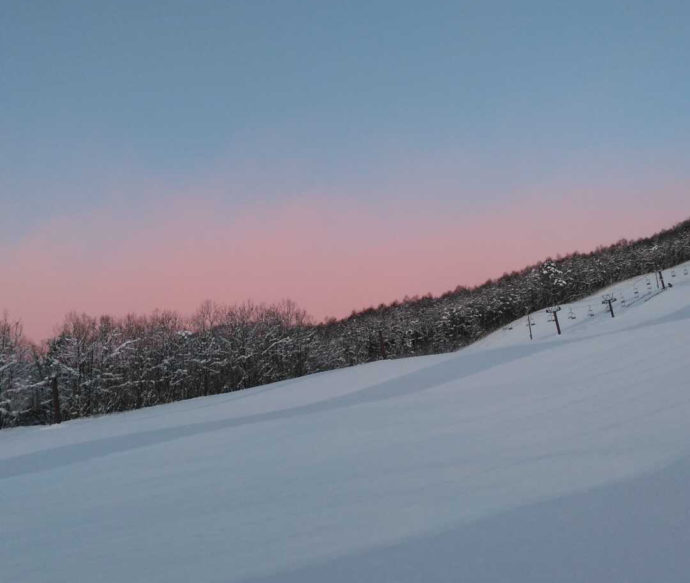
(338, 154)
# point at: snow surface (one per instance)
(562, 459)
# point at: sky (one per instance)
(340, 154)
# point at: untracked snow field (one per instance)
(562, 459)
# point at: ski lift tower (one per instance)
(554, 312)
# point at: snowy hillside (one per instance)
(565, 458)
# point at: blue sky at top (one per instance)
(101, 98)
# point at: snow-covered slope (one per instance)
(565, 458)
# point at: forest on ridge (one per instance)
(99, 365)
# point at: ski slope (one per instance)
(562, 459)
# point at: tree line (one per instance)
(101, 365)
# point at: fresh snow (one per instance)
(562, 459)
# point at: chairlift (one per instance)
(571, 314)
(590, 313)
(673, 273)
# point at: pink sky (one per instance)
(337, 157)
(330, 257)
